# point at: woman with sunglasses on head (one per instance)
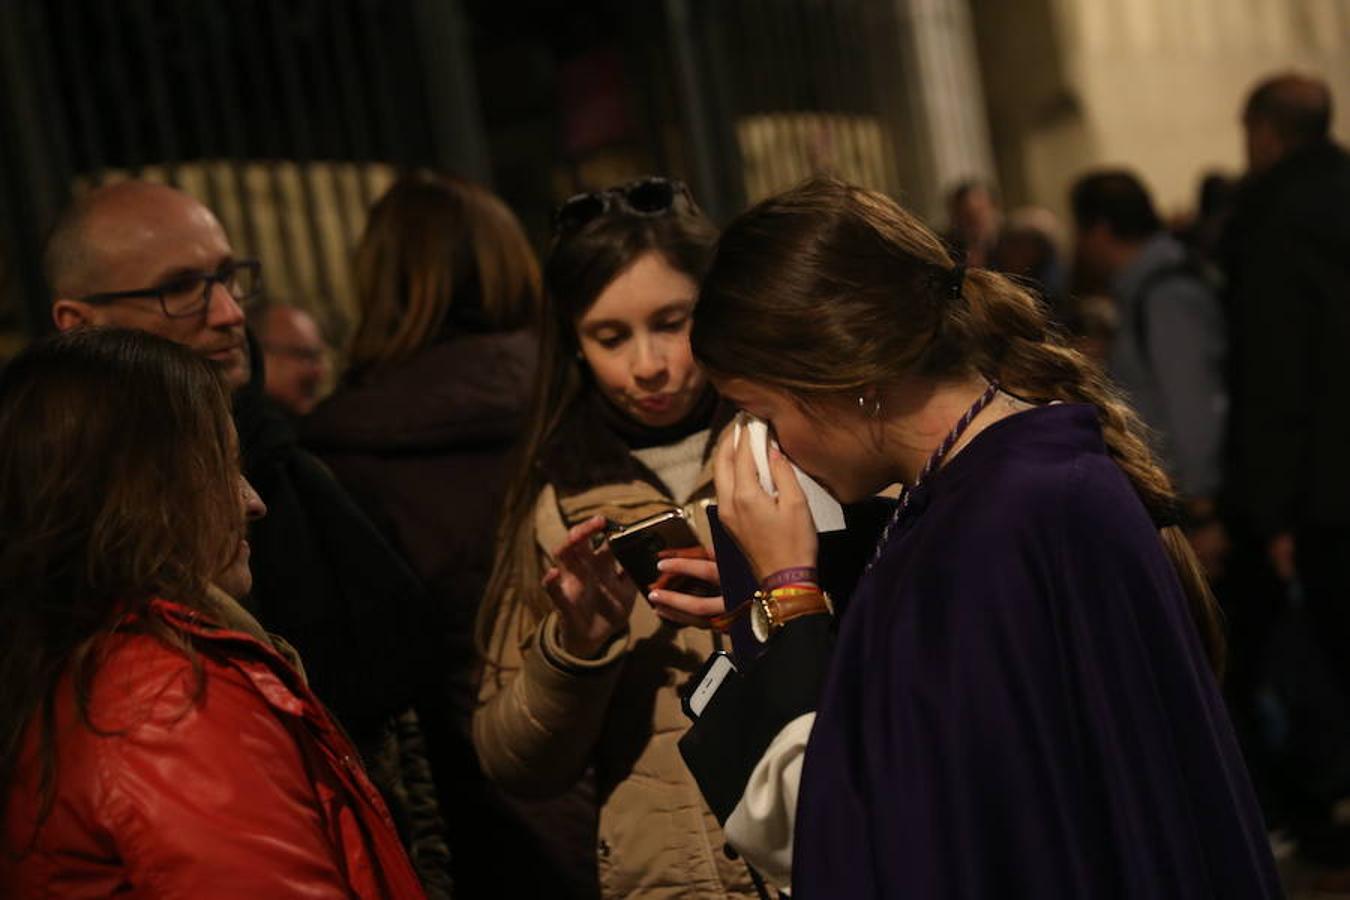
(1022, 699)
(154, 740)
(581, 672)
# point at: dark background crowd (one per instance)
(310, 130)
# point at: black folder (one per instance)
(779, 681)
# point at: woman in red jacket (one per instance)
(154, 741)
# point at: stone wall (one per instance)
(1157, 85)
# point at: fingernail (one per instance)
(662, 565)
(654, 597)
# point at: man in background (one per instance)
(974, 220)
(1286, 252)
(295, 357)
(1168, 350)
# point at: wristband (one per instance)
(789, 576)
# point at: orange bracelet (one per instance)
(724, 621)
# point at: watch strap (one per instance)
(785, 606)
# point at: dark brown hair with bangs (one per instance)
(581, 264)
(119, 483)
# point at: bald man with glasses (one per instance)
(146, 256)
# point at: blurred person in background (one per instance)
(419, 431)
(1092, 323)
(582, 672)
(1168, 354)
(1203, 230)
(295, 356)
(1028, 248)
(154, 739)
(974, 220)
(142, 255)
(1286, 254)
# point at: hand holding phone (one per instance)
(674, 603)
(641, 546)
(672, 569)
(592, 595)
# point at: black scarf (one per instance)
(639, 436)
(592, 444)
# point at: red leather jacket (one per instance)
(247, 790)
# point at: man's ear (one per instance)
(68, 314)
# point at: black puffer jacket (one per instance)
(325, 578)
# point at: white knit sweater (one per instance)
(678, 464)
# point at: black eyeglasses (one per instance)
(189, 296)
(653, 196)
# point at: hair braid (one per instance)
(1015, 345)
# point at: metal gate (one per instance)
(286, 117)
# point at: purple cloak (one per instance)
(1019, 704)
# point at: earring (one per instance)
(875, 412)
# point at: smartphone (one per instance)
(640, 546)
(695, 695)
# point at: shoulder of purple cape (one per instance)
(1018, 703)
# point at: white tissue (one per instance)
(825, 510)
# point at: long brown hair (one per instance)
(830, 288)
(581, 264)
(440, 255)
(119, 483)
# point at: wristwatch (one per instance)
(771, 610)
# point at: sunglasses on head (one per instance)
(652, 196)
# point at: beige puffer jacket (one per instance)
(547, 716)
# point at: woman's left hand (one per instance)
(681, 608)
(774, 533)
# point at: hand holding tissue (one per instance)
(826, 512)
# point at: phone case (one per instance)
(639, 546)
